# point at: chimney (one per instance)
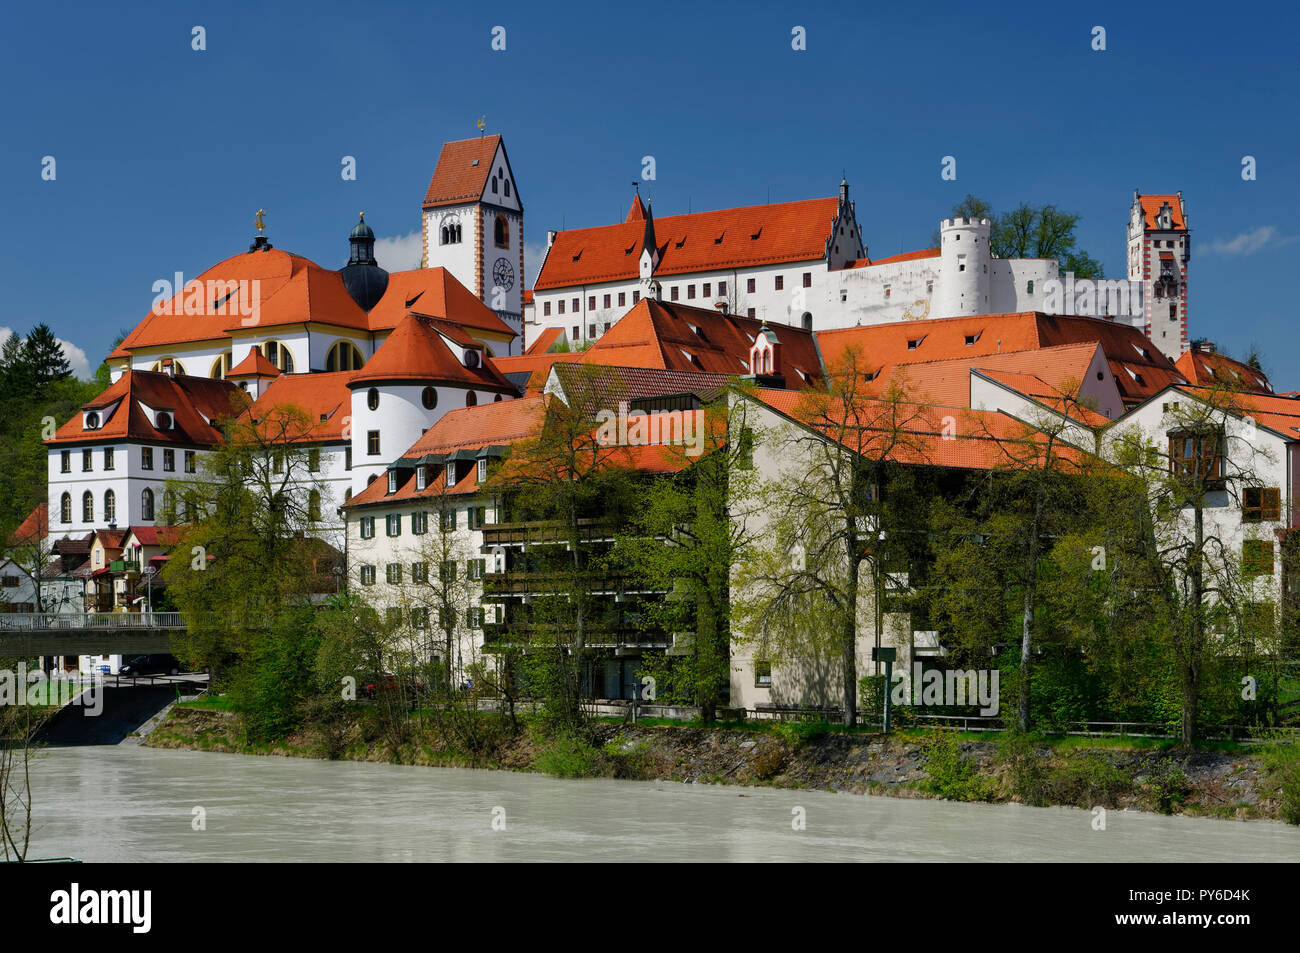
(169, 367)
(550, 237)
(722, 306)
(1205, 347)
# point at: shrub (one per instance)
(568, 757)
(950, 775)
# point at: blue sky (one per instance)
(163, 153)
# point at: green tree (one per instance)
(1031, 231)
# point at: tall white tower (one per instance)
(1159, 252)
(473, 223)
(964, 257)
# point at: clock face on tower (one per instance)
(503, 276)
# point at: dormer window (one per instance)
(163, 420)
(92, 420)
(421, 475)
(482, 469)
(392, 481)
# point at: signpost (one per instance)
(886, 654)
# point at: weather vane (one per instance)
(257, 220)
(482, 124)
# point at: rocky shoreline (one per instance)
(1203, 782)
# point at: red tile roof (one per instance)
(894, 259)
(462, 171)
(415, 351)
(545, 339)
(679, 337)
(1208, 367)
(466, 428)
(437, 293)
(254, 365)
(1278, 413)
(921, 434)
(192, 401)
(1151, 205)
(1047, 371)
(292, 290)
(701, 241)
(1140, 369)
(34, 528)
(324, 397)
(537, 366)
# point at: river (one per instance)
(126, 803)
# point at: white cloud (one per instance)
(401, 252)
(1246, 243)
(75, 355)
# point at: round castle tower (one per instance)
(963, 268)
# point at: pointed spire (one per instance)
(637, 212)
(648, 241)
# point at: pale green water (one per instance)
(127, 803)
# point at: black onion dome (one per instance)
(365, 280)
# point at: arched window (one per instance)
(65, 508)
(372, 398)
(177, 366)
(494, 185)
(110, 506)
(343, 356)
(429, 398)
(470, 399)
(501, 232)
(313, 505)
(278, 355)
(220, 367)
(87, 507)
(446, 235)
(146, 504)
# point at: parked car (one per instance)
(384, 682)
(150, 665)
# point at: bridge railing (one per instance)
(39, 621)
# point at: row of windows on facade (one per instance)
(148, 511)
(475, 616)
(146, 460)
(419, 572)
(342, 356)
(674, 293)
(450, 232)
(475, 518)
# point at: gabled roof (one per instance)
(325, 397)
(1274, 412)
(1046, 371)
(674, 336)
(1208, 367)
(595, 387)
(1151, 205)
(437, 293)
(254, 365)
(700, 241)
(111, 540)
(415, 351)
(192, 401)
(462, 171)
(544, 341)
(34, 528)
(981, 440)
(1139, 367)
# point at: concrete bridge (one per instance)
(25, 634)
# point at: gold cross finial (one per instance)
(482, 124)
(257, 220)
(363, 216)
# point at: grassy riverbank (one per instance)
(1220, 780)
